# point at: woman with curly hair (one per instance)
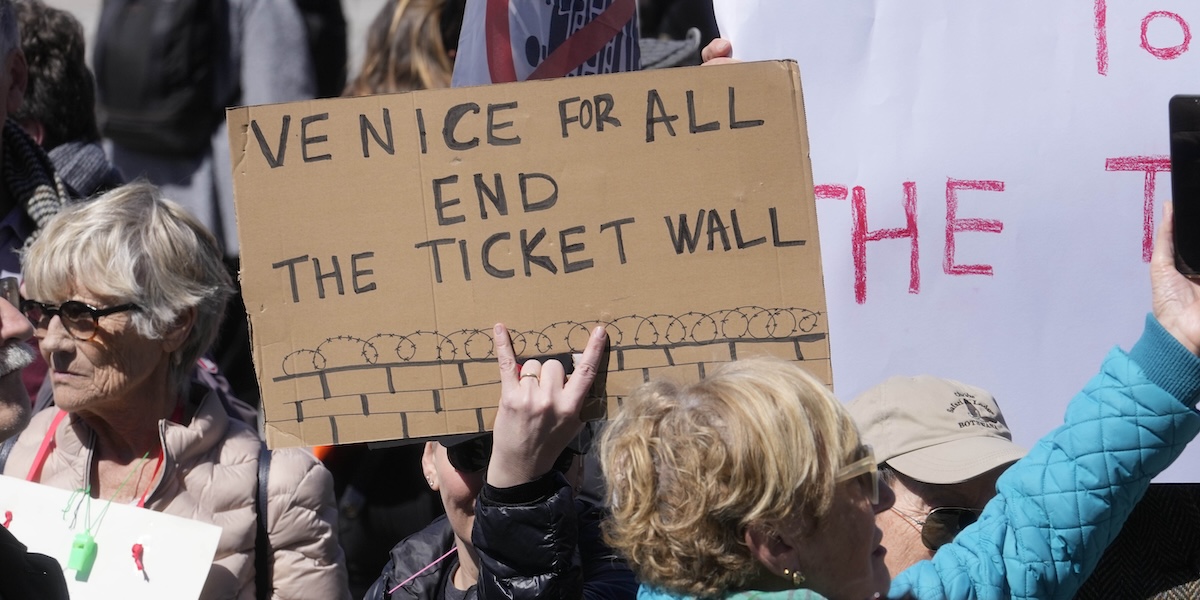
(753, 483)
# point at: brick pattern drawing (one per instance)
(349, 379)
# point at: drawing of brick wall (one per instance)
(424, 383)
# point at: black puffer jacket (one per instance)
(534, 542)
(28, 576)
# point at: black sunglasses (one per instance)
(942, 524)
(81, 320)
(472, 456)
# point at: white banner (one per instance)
(137, 553)
(988, 177)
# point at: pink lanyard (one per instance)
(44, 450)
(48, 443)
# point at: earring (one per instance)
(430, 481)
(797, 577)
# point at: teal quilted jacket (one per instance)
(1058, 508)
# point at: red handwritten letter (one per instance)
(859, 237)
(1150, 165)
(956, 225)
(1170, 52)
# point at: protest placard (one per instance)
(382, 237)
(135, 553)
(989, 176)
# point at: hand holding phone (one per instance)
(1184, 117)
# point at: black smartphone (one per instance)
(1184, 117)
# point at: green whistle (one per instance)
(83, 556)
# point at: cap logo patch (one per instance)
(978, 414)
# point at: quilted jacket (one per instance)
(1057, 509)
(28, 575)
(210, 474)
(534, 541)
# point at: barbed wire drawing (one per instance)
(632, 332)
(638, 345)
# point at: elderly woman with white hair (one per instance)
(125, 293)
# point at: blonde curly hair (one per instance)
(689, 469)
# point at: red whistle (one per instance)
(137, 557)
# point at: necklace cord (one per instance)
(88, 526)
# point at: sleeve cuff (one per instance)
(538, 490)
(1167, 363)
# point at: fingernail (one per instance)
(498, 329)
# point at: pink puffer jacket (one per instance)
(210, 474)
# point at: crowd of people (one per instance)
(123, 363)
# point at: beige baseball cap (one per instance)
(934, 430)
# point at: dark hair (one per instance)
(61, 94)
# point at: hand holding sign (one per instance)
(718, 52)
(1176, 298)
(539, 412)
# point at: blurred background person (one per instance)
(165, 72)
(411, 45)
(59, 108)
(125, 293)
(674, 19)
(30, 191)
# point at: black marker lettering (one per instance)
(439, 205)
(364, 125)
(453, 116)
(275, 160)
(616, 227)
(568, 266)
(291, 267)
(355, 272)
(305, 140)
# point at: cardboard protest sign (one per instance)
(382, 237)
(175, 554)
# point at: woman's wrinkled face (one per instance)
(458, 489)
(116, 365)
(843, 558)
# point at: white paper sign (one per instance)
(989, 175)
(176, 553)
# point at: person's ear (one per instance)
(771, 550)
(18, 80)
(178, 333)
(429, 466)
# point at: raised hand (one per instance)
(539, 410)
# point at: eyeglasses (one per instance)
(472, 456)
(942, 524)
(10, 287)
(80, 319)
(867, 469)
